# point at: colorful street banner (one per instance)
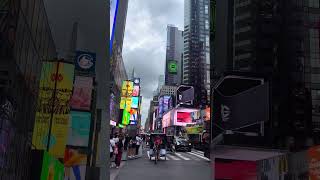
(60, 105)
(314, 165)
(123, 103)
(80, 129)
(128, 104)
(52, 169)
(85, 62)
(81, 98)
(127, 89)
(136, 91)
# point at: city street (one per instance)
(179, 166)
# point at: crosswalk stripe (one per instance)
(172, 157)
(199, 153)
(182, 157)
(199, 156)
(191, 157)
(194, 150)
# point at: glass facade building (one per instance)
(25, 42)
(196, 58)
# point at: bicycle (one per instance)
(156, 153)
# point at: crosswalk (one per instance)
(194, 155)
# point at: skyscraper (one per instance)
(196, 60)
(174, 56)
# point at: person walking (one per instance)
(119, 147)
(112, 146)
(138, 143)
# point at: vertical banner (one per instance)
(80, 129)
(125, 117)
(52, 169)
(57, 100)
(81, 98)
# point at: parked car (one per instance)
(181, 144)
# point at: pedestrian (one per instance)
(138, 143)
(134, 145)
(130, 147)
(112, 146)
(119, 150)
(126, 145)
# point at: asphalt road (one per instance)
(179, 166)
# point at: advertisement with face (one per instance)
(235, 169)
(136, 91)
(79, 129)
(166, 103)
(127, 89)
(81, 98)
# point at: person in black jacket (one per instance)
(120, 147)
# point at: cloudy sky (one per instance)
(145, 41)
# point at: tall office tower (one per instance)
(280, 40)
(196, 60)
(174, 56)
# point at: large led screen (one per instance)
(172, 67)
(136, 91)
(133, 114)
(166, 120)
(80, 129)
(81, 98)
(51, 168)
(161, 107)
(166, 105)
(125, 117)
(113, 17)
(127, 89)
(135, 102)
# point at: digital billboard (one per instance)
(128, 103)
(81, 97)
(79, 129)
(136, 81)
(113, 17)
(133, 114)
(85, 62)
(127, 89)
(185, 116)
(136, 91)
(52, 169)
(135, 102)
(125, 117)
(166, 120)
(172, 67)
(75, 164)
(60, 117)
(194, 129)
(166, 101)
(123, 103)
(161, 107)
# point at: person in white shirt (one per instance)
(112, 145)
(138, 143)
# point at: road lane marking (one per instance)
(202, 157)
(182, 157)
(191, 157)
(173, 157)
(199, 153)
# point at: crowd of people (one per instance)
(120, 144)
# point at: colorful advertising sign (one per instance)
(166, 105)
(194, 130)
(133, 115)
(85, 61)
(113, 17)
(135, 102)
(80, 129)
(136, 90)
(133, 122)
(52, 169)
(123, 103)
(185, 117)
(207, 114)
(81, 98)
(234, 169)
(125, 117)
(172, 67)
(136, 81)
(127, 89)
(166, 120)
(60, 115)
(113, 123)
(128, 104)
(161, 107)
(314, 165)
(75, 164)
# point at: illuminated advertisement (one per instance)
(81, 98)
(125, 117)
(313, 160)
(185, 116)
(194, 129)
(136, 91)
(166, 100)
(235, 169)
(113, 123)
(166, 120)
(123, 103)
(60, 116)
(172, 67)
(207, 114)
(127, 89)
(52, 169)
(128, 104)
(135, 102)
(133, 122)
(85, 61)
(136, 81)
(133, 115)
(161, 107)
(80, 129)
(113, 17)
(75, 164)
